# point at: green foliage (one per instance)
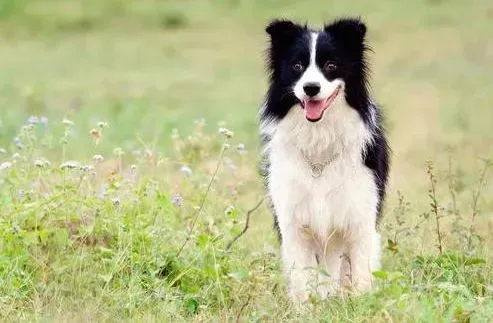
(71, 232)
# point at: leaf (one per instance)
(43, 237)
(192, 305)
(474, 261)
(202, 240)
(392, 246)
(115, 185)
(106, 252)
(419, 261)
(380, 274)
(323, 271)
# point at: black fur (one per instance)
(377, 159)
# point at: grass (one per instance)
(143, 233)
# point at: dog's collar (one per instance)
(318, 168)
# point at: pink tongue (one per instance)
(314, 109)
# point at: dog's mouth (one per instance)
(314, 109)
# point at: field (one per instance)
(129, 161)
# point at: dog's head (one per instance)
(315, 67)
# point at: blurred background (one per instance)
(151, 65)
(148, 66)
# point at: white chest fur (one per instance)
(343, 197)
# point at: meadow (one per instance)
(129, 182)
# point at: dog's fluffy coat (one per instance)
(318, 110)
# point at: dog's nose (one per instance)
(311, 89)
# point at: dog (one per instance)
(326, 156)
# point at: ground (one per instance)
(143, 232)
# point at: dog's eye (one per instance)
(298, 67)
(330, 67)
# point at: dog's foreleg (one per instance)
(364, 254)
(299, 262)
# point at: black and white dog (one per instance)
(327, 156)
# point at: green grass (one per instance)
(136, 237)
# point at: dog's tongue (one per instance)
(314, 109)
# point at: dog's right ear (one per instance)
(283, 34)
(283, 31)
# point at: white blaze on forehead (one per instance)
(313, 74)
(313, 49)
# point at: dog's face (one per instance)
(315, 67)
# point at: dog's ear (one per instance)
(283, 34)
(283, 31)
(348, 31)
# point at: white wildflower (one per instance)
(226, 132)
(87, 168)
(71, 164)
(5, 165)
(33, 120)
(97, 158)
(67, 122)
(185, 170)
(39, 163)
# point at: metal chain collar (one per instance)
(318, 168)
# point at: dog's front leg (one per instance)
(364, 254)
(299, 262)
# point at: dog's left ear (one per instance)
(349, 31)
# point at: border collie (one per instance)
(326, 155)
